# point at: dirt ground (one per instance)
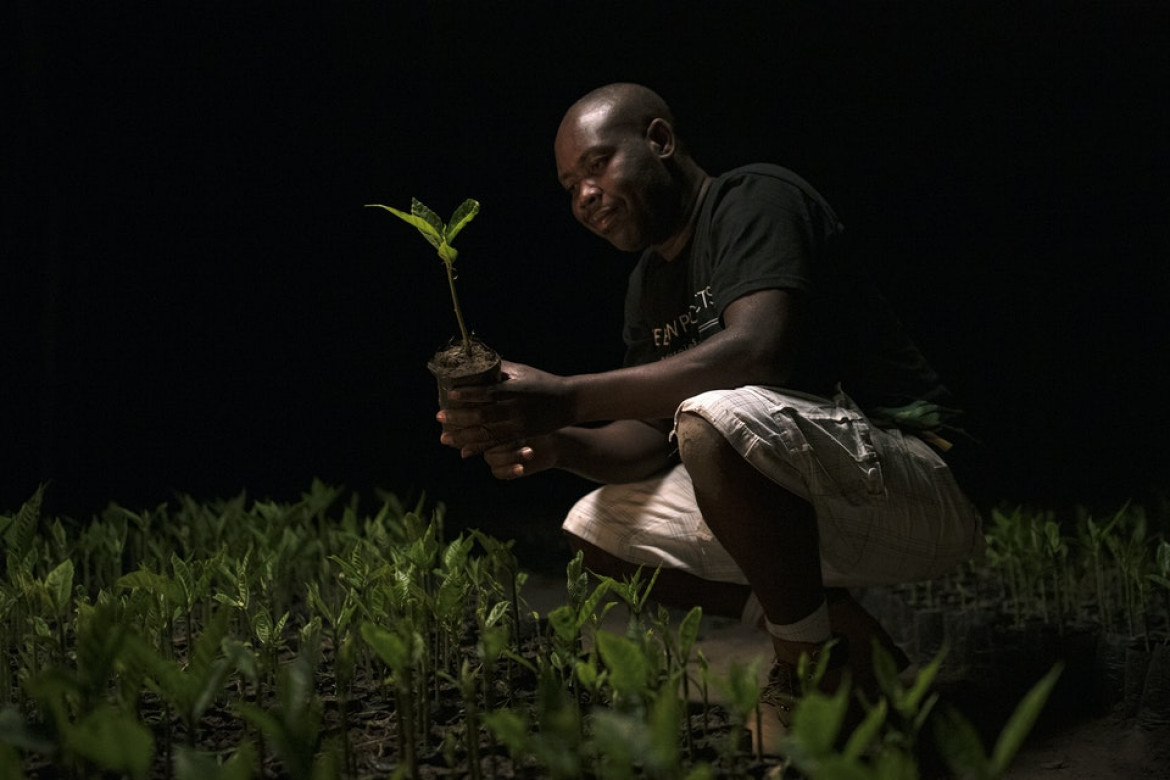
(1100, 748)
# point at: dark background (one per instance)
(196, 302)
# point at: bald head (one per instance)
(629, 178)
(625, 106)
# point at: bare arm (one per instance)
(621, 451)
(756, 346)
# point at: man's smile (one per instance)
(602, 219)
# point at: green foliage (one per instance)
(441, 236)
(962, 747)
(1077, 570)
(246, 612)
(292, 725)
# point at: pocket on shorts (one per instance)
(834, 445)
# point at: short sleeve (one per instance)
(765, 234)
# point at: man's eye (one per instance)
(597, 164)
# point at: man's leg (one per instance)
(769, 532)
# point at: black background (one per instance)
(195, 300)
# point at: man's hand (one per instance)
(522, 458)
(527, 404)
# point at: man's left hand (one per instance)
(527, 403)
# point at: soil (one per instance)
(453, 366)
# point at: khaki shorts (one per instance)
(887, 506)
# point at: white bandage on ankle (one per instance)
(753, 612)
(811, 629)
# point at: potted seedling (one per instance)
(467, 361)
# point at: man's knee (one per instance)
(698, 440)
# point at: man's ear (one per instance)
(660, 137)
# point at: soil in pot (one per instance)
(453, 366)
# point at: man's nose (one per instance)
(587, 193)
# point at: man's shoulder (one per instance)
(767, 175)
(740, 192)
(768, 169)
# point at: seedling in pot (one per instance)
(440, 236)
(471, 362)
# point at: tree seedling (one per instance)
(441, 236)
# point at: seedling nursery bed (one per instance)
(308, 639)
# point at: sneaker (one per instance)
(785, 685)
(854, 632)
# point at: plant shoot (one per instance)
(441, 236)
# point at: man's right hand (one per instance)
(522, 458)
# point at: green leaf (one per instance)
(563, 623)
(497, 614)
(419, 209)
(867, 732)
(207, 667)
(113, 741)
(742, 686)
(390, 647)
(262, 626)
(20, 532)
(587, 673)
(434, 237)
(509, 728)
(960, 744)
(909, 703)
(627, 663)
(1022, 720)
(665, 720)
(817, 720)
(463, 214)
(11, 765)
(147, 580)
(688, 632)
(59, 584)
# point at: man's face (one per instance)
(617, 183)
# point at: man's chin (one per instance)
(624, 242)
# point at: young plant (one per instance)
(1093, 540)
(192, 687)
(962, 748)
(400, 650)
(440, 236)
(293, 725)
(742, 690)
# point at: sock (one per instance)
(812, 629)
(753, 612)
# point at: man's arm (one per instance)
(621, 451)
(756, 346)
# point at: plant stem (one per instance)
(458, 312)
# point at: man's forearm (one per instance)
(756, 347)
(622, 451)
(656, 389)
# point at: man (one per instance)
(753, 343)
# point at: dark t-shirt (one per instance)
(763, 227)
